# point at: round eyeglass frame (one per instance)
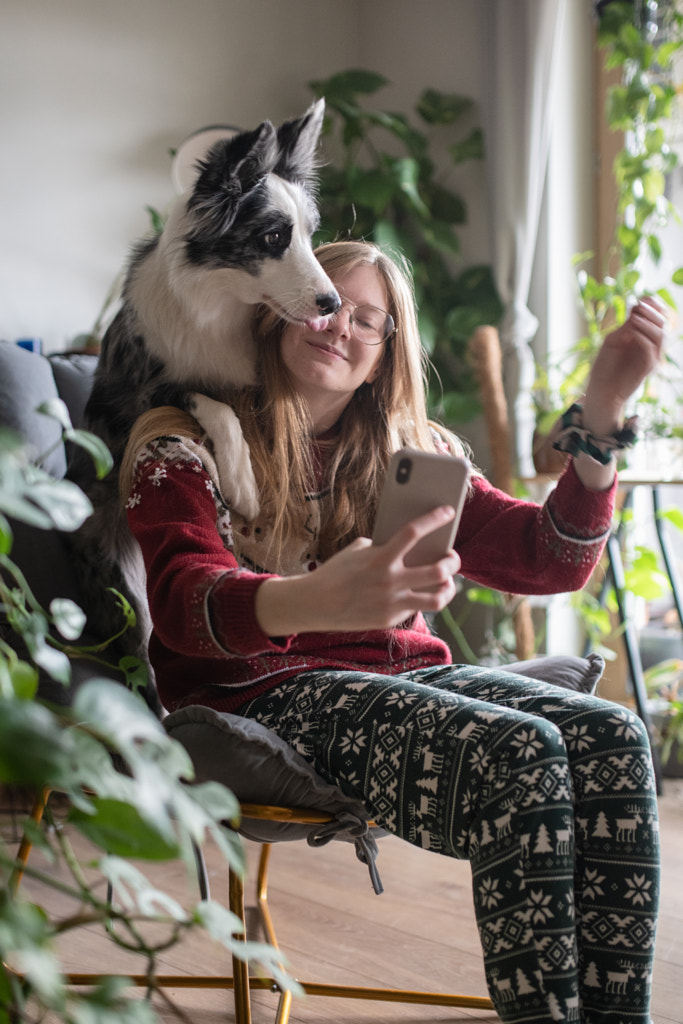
(389, 325)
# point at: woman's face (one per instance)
(328, 366)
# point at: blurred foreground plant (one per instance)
(124, 779)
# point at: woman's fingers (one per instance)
(407, 537)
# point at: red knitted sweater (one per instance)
(203, 570)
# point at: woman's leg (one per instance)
(468, 778)
(616, 836)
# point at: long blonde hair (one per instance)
(382, 416)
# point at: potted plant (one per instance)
(122, 775)
(383, 182)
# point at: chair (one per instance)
(281, 797)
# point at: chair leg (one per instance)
(36, 816)
(284, 1007)
(240, 969)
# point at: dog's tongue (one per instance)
(318, 323)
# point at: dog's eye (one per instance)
(272, 239)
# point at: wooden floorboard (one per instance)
(420, 934)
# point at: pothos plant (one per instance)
(123, 777)
(383, 181)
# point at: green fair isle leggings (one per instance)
(550, 796)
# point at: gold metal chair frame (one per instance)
(241, 981)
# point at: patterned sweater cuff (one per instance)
(231, 616)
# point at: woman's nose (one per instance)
(340, 322)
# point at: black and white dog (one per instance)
(239, 237)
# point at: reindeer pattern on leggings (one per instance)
(548, 793)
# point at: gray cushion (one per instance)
(567, 671)
(259, 768)
(73, 373)
(26, 381)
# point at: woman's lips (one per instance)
(330, 349)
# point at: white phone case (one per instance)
(416, 483)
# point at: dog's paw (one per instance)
(231, 453)
(238, 484)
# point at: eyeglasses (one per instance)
(369, 324)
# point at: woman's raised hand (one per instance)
(628, 354)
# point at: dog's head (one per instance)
(252, 212)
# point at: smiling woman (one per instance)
(294, 618)
(327, 367)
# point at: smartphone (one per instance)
(416, 483)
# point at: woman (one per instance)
(549, 794)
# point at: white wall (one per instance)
(94, 95)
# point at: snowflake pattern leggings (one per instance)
(550, 796)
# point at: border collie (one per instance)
(240, 236)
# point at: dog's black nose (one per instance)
(328, 303)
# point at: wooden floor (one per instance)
(419, 934)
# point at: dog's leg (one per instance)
(231, 452)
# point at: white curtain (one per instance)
(519, 40)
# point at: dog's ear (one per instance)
(297, 141)
(231, 168)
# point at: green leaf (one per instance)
(134, 891)
(26, 934)
(120, 717)
(400, 127)
(441, 237)
(54, 662)
(673, 516)
(471, 148)
(667, 297)
(56, 409)
(436, 107)
(374, 188)
(387, 236)
(62, 502)
(483, 595)
(348, 84)
(120, 829)
(95, 447)
(24, 679)
(217, 801)
(125, 607)
(67, 617)
(445, 205)
(135, 673)
(6, 536)
(655, 247)
(33, 747)
(407, 174)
